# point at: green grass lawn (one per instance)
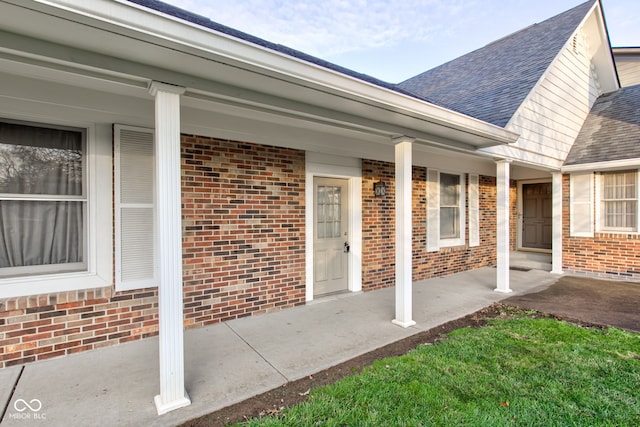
(522, 371)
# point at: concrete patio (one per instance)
(232, 361)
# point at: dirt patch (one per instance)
(588, 302)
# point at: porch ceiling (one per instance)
(121, 43)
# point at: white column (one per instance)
(556, 251)
(404, 232)
(502, 226)
(169, 240)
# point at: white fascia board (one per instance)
(171, 30)
(624, 51)
(603, 58)
(604, 166)
(552, 65)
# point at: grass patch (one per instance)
(518, 371)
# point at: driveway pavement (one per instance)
(603, 302)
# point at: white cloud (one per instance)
(332, 27)
(395, 39)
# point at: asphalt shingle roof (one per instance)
(611, 131)
(491, 82)
(207, 23)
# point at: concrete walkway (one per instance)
(232, 361)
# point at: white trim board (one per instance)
(335, 167)
(519, 213)
(603, 166)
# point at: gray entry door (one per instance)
(331, 235)
(537, 216)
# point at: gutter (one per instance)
(166, 30)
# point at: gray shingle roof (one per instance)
(611, 131)
(491, 82)
(202, 21)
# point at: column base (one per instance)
(164, 407)
(403, 324)
(503, 291)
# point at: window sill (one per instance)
(49, 284)
(452, 243)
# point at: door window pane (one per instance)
(329, 199)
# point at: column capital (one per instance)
(503, 161)
(403, 138)
(155, 87)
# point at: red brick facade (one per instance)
(379, 236)
(607, 255)
(243, 252)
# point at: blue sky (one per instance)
(397, 39)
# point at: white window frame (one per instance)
(460, 240)
(32, 270)
(98, 226)
(600, 215)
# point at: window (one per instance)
(43, 202)
(619, 201)
(449, 206)
(56, 222)
(446, 209)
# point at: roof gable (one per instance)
(611, 131)
(491, 83)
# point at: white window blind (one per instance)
(474, 210)
(134, 208)
(433, 210)
(581, 201)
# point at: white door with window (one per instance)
(331, 235)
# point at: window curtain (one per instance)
(41, 196)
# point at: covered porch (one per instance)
(232, 361)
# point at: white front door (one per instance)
(331, 235)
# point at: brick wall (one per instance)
(243, 253)
(243, 229)
(379, 235)
(606, 255)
